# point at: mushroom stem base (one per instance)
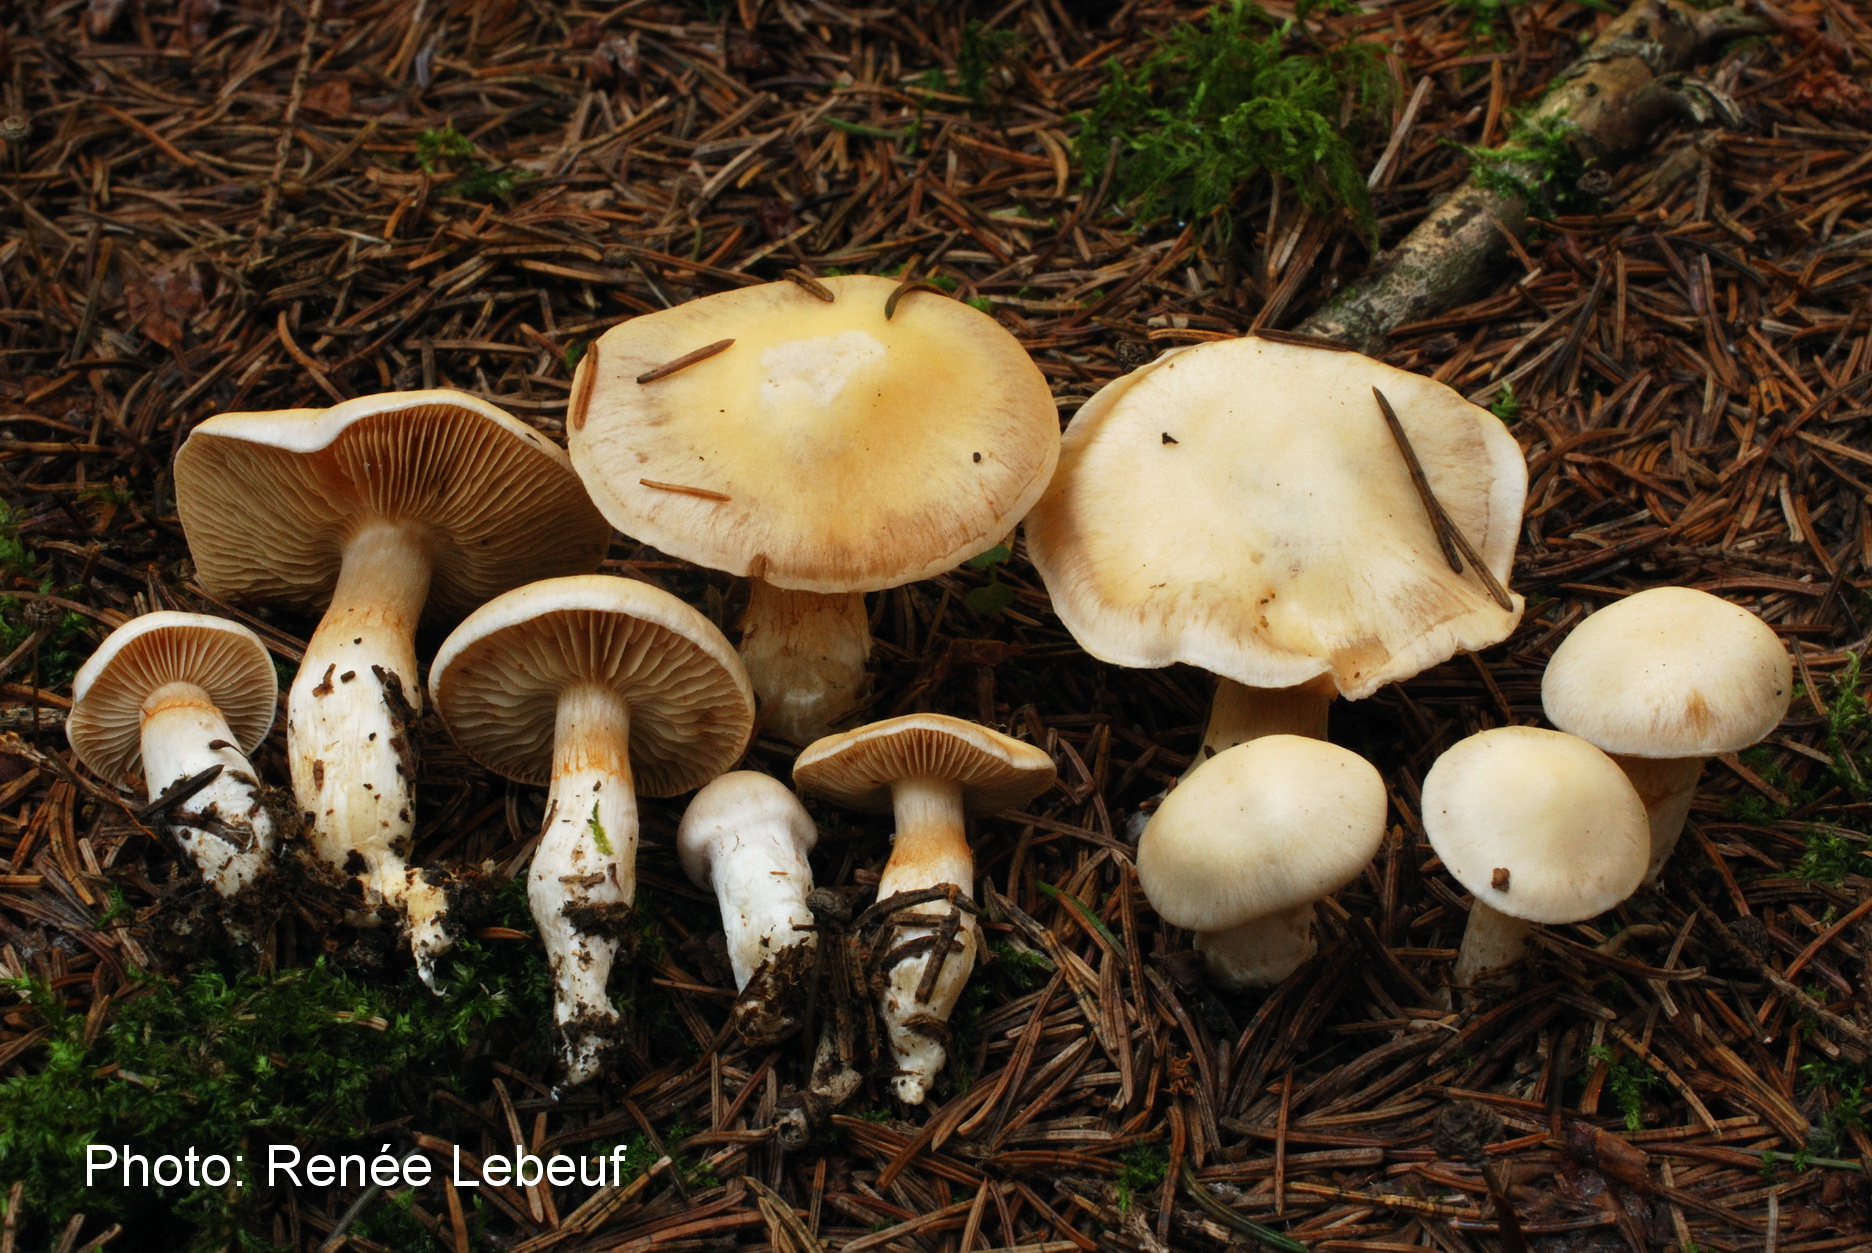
(1239, 713)
(224, 828)
(1666, 785)
(930, 849)
(805, 654)
(1492, 941)
(584, 872)
(1261, 953)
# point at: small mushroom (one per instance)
(1241, 505)
(1662, 680)
(931, 772)
(1541, 827)
(602, 688)
(174, 696)
(383, 511)
(747, 836)
(1246, 844)
(824, 450)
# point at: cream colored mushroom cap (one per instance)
(857, 767)
(496, 679)
(1551, 811)
(835, 450)
(1268, 825)
(717, 819)
(1241, 506)
(1669, 672)
(224, 659)
(268, 499)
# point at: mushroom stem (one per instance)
(584, 873)
(349, 728)
(1491, 941)
(805, 654)
(1240, 713)
(753, 835)
(930, 849)
(1261, 953)
(224, 828)
(1666, 786)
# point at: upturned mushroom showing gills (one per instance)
(384, 511)
(823, 439)
(931, 772)
(1246, 844)
(1662, 680)
(182, 699)
(746, 836)
(601, 688)
(1243, 506)
(1541, 827)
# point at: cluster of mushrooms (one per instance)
(1301, 521)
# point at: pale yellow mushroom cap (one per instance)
(497, 678)
(224, 659)
(856, 768)
(833, 450)
(268, 499)
(1275, 823)
(1669, 672)
(1241, 506)
(1538, 824)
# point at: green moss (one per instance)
(1539, 164)
(1507, 406)
(1628, 1081)
(1222, 102)
(449, 151)
(228, 1063)
(599, 838)
(1141, 1170)
(981, 51)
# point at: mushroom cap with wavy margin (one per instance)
(1241, 506)
(269, 499)
(497, 678)
(834, 450)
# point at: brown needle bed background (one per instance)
(215, 205)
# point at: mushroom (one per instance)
(1246, 844)
(1240, 505)
(1541, 827)
(825, 445)
(746, 836)
(182, 698)
(602, 688)
(930, 771)
(1662, 680)
(385, 511)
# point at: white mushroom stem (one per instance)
(930, 849)
(761, 879)
(348, 731)
(805, 654)
(224, 827)
(1239, 713)
(1261, 953)
(1666, 785)
(1491, 941)
(584, 872)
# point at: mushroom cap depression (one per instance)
(1669, 672)
(497, 678)
(1538, 824)
(224, 659)
(269, 499)
(1266, 826)
(828, 449)
(856, 768)
(717, 820)
(1241, 506)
